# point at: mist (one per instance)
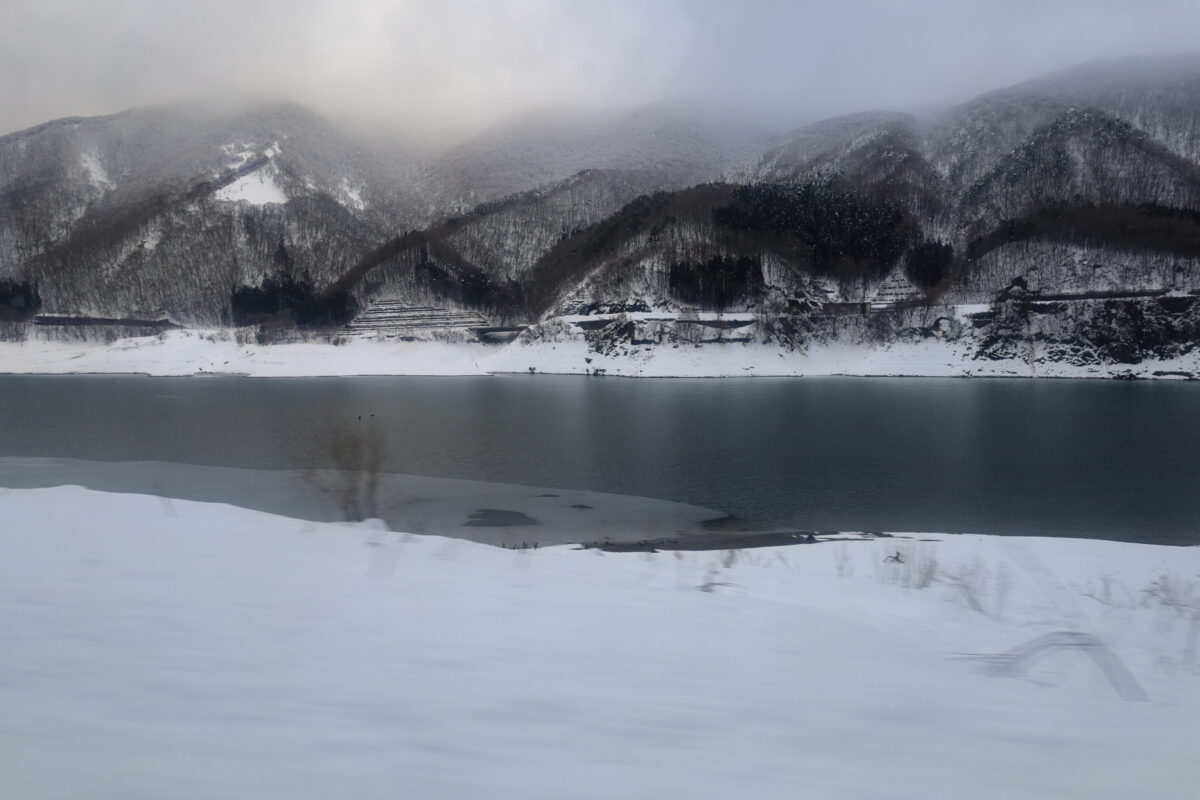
(442, 70)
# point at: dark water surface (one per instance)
(1076, 458)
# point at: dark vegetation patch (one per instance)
(821, 227)
(19, 299)
(843, 233)
(929, 263)
(789, 330)
(1126, 332)
(617, 307)
(468, 285)
(107, 228)
(628, 221)
(717, 283)
(1113, 331)
(571, 259)
(439, 270)
(381, 254)
(1127, 227)
(284, 293)
(62, 320)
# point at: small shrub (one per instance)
(843, 564)
(1177, 601)
(354, 455)
(913, 567)
(981, 589)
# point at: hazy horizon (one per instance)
(445, 70)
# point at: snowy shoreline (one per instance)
(200, 353)
(202, 650)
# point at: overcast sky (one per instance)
(452, 66)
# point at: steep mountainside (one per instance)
(1083, 157)
(1158, 95)
(507, 237)
(161, 210)
(794, 154)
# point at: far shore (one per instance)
(187, 352)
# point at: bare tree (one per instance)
(353, 455)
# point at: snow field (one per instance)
(258, 188)
(171, 649)
(196, 351)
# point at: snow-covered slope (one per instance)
(171, 649)
(162, 210)
(256, 188)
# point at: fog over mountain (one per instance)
(445, 70)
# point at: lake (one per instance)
(1109, 459)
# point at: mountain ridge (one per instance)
(164, 211)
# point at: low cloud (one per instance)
(447, 67)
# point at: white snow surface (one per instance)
(352, 195)
(193, 352)
(172, 649)
(257, 188)
(198, 351)
(96, 174)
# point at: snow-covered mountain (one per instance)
(161, 210)
(1082, 185)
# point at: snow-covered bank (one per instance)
(199, 352)
(932, 358)
(188, 650)
(1083, 338)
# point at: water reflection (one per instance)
(1080, 458)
